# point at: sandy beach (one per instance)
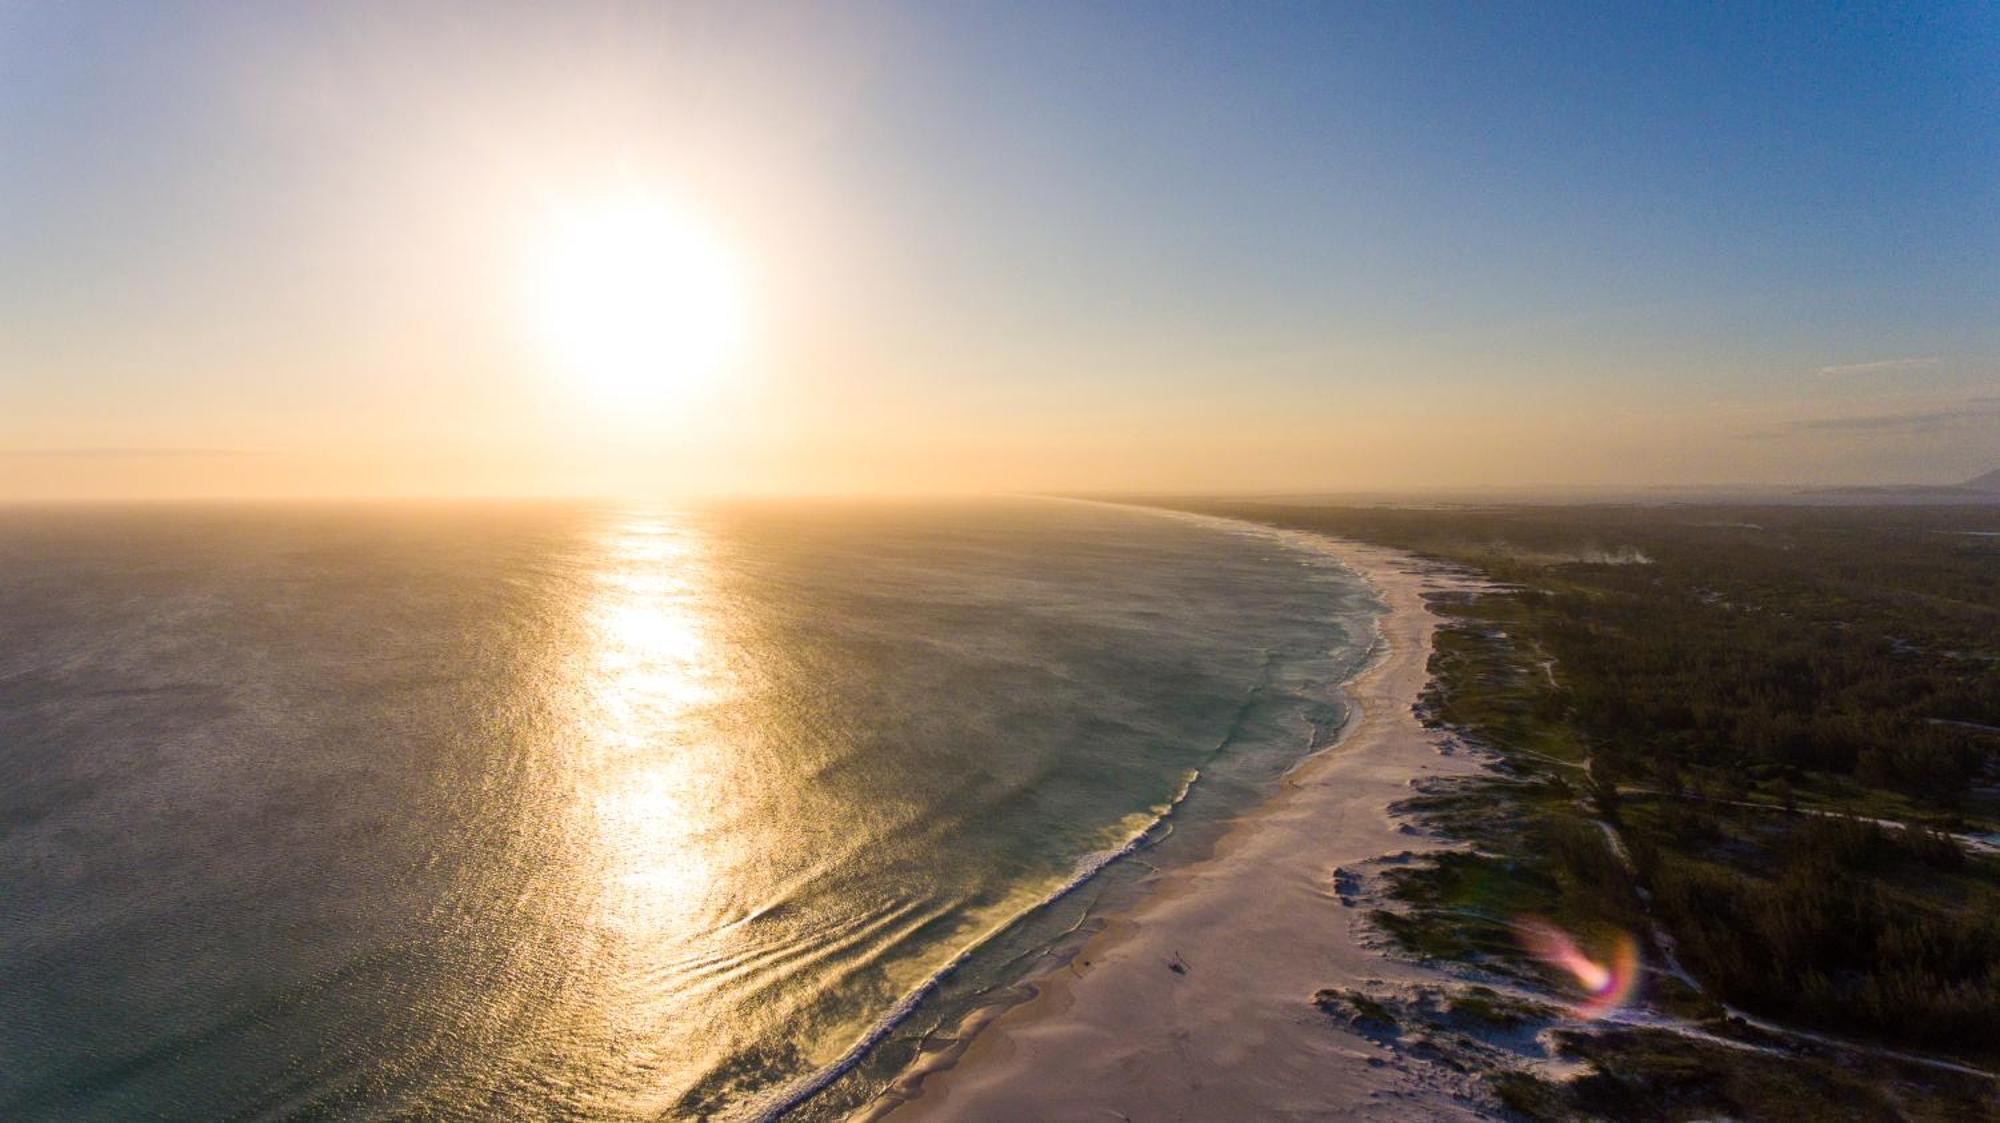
(1197, 1002)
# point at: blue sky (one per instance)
(1025, 245)
(1793, 181)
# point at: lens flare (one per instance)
(1607, 985)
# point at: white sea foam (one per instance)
(776, 1104)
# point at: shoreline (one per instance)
(1196, 1001)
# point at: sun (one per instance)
(639, 306)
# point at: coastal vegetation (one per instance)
(1767, 741)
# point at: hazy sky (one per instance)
(289, 249)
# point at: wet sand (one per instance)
(1196, 1004)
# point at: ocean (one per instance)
(470, 811)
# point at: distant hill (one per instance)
(1979, 489)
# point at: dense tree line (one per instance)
(1860, 643)
(1833, 937)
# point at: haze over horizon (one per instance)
(383, 250)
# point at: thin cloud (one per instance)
(1879, 366)
(1977, 409)
(1915, 421)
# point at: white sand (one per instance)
(1119, 1034)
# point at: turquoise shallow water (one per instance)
(594, 812)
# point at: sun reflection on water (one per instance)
(655, 788)
(724, 961)
(654, 664)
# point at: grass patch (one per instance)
(1487, 1007)
(1366, 1015)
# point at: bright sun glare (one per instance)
(639, 305)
